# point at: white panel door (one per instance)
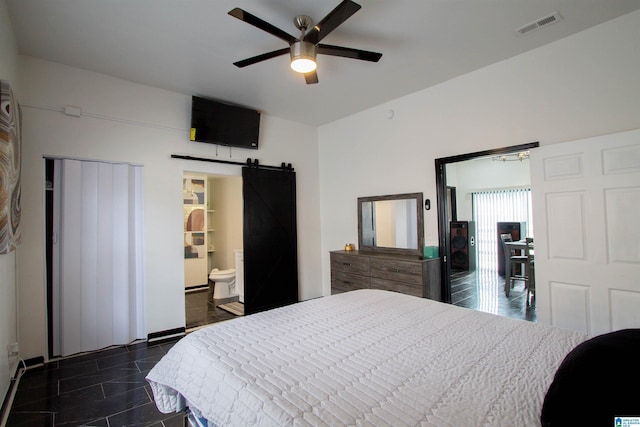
(586, 212)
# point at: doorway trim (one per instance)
(441, 197)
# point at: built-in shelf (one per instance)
(197, 239)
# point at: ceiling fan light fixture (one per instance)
(303, 57)
(304, 49)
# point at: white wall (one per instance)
(8, 322)
(484, 174)
(128, 122)
(584, 85)
(228, 204)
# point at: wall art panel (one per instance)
(10, 158)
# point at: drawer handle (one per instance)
(348, 264)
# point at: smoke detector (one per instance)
(539, 23)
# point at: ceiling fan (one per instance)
(303, 50)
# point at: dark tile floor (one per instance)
(483, 290)
(107, 388)
(201, 311)
(104, 388)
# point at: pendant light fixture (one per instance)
(303, 57)
(303, 53)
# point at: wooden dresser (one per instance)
(352, 270)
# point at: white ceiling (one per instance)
(189, 46)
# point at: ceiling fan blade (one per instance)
(337, 16)
(347, 52)
(262, 57)
(263, 25)
(311, 78)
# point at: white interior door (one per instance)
(586, 211)
(98, 278)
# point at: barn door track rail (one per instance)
(255, 163)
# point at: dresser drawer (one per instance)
(402, 271)
(351, 270)
(350, 263)
(344, 282)
(392, 285)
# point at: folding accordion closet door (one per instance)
(97, 290)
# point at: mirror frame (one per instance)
(419, 251)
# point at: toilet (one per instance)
(224, 282)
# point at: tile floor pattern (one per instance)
(107, 388)
(483, 290)
(202, 311)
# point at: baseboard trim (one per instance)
(162, 335)
(7, 402)
(196, 288)
(34, 361)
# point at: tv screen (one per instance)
(219, 123)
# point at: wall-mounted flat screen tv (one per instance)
(215, 122)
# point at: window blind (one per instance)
(491, 207)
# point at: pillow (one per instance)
(597, 381)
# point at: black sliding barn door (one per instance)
(270, 239)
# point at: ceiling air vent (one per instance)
(538, 23)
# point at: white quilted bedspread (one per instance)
(365, 358)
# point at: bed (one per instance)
(367, 358)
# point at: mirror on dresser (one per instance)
(391, 224)
(391, 249)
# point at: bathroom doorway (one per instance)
(267, 268)
(213, 239)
